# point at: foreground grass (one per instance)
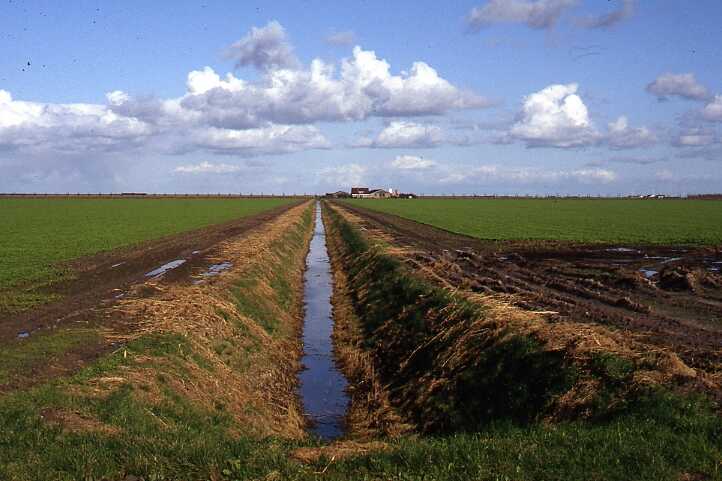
(38, 351)
(597, 221)
(38, 234)
(663, 437)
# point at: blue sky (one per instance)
(507, 96)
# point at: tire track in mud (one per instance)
(104, 280)
(596, 285)
(101, 277)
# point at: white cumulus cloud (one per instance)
(622, 136)
(412, 162)
(346, 176)
(713, 110)
(363, 87)
(264, 48)
(226, 114)
(682, 85)
(273, 139)
(554, 117)
(405, 134)
(695, 137)
(37, 126)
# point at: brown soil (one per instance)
(102, 280)
(75, 422)
(677, 309)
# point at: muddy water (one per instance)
(323, 387)
(165, 268)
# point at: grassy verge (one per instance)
(486, 391)
(19, 360)
(446, 367)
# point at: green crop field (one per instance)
(37, 234)
(597, 220)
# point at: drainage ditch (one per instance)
(322, 385)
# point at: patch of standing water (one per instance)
(323, 387)
(215, 269)
(648, 272)
(165, 268)
(622, 249)
(23, 334)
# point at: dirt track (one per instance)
(676, 304)
(100, 280)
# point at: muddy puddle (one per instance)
(216, 269)
(165, 268)
(322, 385)
(213, 271)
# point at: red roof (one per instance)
(359, 190)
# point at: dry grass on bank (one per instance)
(227, 357)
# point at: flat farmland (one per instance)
(574, 220)
(39, 234)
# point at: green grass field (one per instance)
(598, 221)
(37, 234)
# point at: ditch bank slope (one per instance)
(451, 360)
(203, 372)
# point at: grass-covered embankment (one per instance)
(204, 382)
(501, 403)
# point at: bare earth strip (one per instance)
(106, 280)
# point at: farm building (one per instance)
(359, 192)
(339, 194)
(366, 193)
(380, 194)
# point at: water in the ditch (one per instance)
(323, 387)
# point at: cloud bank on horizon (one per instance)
(274, 106)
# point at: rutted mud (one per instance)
(108, 278)
(155, 273)
(101, 277)
(665, 297)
